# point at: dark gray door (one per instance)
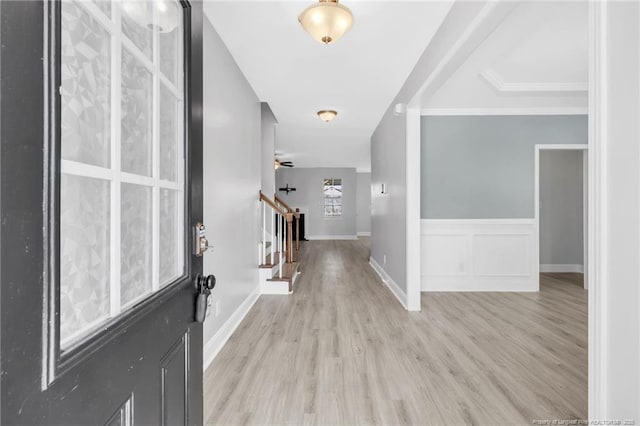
(101, 183)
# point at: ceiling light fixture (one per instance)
(326, 21)
(166, 19)
(327, 115)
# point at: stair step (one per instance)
(289, 271)
(269, 263)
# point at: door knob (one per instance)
(204, 285)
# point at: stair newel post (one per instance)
(289, 237)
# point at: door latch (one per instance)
(200, 242)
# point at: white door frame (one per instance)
(536, 214)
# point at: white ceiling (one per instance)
(358, 76)
(536, 59)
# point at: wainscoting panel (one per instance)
(479, 255)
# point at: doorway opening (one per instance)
(561, 200)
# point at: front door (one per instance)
(101, 185)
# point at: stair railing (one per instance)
(296, 214)
(279, 222)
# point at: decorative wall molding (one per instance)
(498, 83)
(217, 342)
(479, 255)
(388, 281)
(504, 111)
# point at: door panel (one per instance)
(144, 365)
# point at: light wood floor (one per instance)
(342, 350)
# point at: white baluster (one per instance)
(273, 248)
(264, 232)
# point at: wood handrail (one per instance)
(274, 206)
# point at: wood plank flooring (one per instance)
(342, 350)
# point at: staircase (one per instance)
(278, 251)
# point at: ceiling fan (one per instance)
(277, 164)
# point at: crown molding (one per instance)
(505, 111)
(499, 84)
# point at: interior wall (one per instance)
(268, 148)
(561, 211)
(363, 203)
(308, 197)
(232, 179)
(391, 245)
(482, 167)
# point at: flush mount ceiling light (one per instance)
(141, 12)
(326, 21)
(327, 115)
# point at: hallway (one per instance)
(342, 350)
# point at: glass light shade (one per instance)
(327, 115)
(326, 21)
(166, 19)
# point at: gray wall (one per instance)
(268, 147)
(483, 167)
(389, 148)
(363, 203)
(309, 198)
(232, 178)
(561, 207)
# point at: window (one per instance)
(122, 186)
(332, 190)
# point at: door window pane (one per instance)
(122, 234)
(169, 148)
(169, 41)
(137, 24)
(137, 115)
(86, 88)
(170, 219)
(136, 242)
(84, 254)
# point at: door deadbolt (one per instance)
(200, 242)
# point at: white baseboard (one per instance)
(555, 267)
(438, 285)
(364, 234)
(217, 342)
(388, 281)
(331, 237)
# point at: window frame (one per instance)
(325, 198)
(57, 362)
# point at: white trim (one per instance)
(536, 209)
(560, 268)
(504, 111)
(499, 84)
(413, 195)
(363, 170)
(457, 222)
(331, 237)
(388, 281)
(597, 229)
(213, 347)
(364, 234)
